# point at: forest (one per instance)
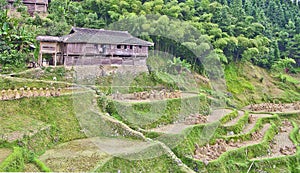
(263, 32)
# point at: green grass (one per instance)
(287, 78)
(11, 83)
(42, 167)
(159, 164)
(58, 112)
(151, 114)
(14, 162)
(62, 114)
(48, 73)
(238, 127)
(236, 84)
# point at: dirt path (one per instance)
(4, 153)
(30, 167)
(217, 114)
(171, 128)
(250, 126)
(235, 120)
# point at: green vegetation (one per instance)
(251, 84)
(41, 165)
(146, 165)
(13, 163)
(238, 127)
(152, 114)
(262, 33)
(48, 73)
(11, 83)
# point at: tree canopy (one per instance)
(259, 31)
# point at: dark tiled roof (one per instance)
(101, 36)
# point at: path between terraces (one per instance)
(249, 126)
(251, 142)
(234, 120)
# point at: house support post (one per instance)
(40, 60)
(55, 59)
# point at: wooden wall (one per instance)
(53, 48)
(32, 5)
(98, 49)
(94, 54)
(50, 47)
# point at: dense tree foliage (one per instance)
(260, 31)
(15, 39)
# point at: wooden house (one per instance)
(39, 6)
(85, 46)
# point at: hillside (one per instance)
(49, 131)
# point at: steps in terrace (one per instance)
(234, 120)
(281, 145)
(211, 152)
(249, 126)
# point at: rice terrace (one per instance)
(150, 86)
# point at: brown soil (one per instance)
(285, 108)
(171, 128)
(31, 168)
(178, 127)
(183, 95)
(4, 153)
(211, 152)
(281, 145)
(18, 135)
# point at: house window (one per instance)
(118, 46)
(125, 47)
(131, 46)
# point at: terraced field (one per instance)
(83, 131)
